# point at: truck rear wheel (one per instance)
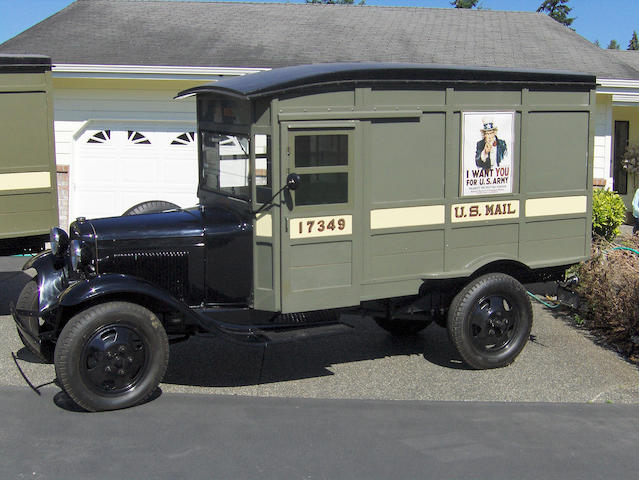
(111, 356)
(489, 321)
(28, 300)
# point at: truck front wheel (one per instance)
(111, 356)
(489, 321)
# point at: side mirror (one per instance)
(293, 181)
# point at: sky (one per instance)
(602, 20)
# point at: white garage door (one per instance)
(118, 167)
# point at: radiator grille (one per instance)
(168, 270)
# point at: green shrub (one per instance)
(608, 212)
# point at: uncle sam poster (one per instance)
(487, 149)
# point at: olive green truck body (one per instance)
(393, 194)
(28, 194)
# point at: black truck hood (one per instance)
(171, 224)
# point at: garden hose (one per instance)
(626, 248)
(549, 305)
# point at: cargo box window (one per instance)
(322, 163)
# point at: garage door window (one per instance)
(186, 138)
(138, 138)
(102, 136)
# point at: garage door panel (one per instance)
(102, 204)
(182, 171)
(97, 168)
(138, 171)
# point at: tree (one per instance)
(558, 10)
(613, 45)
(464, 3)
(634, 42)
(597, 43)
(335, 2)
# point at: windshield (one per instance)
(225, 164)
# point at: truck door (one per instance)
(321, 226)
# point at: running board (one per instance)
(280, 334)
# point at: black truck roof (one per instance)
(334, 76)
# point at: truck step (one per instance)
(317, 316)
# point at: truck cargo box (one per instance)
(28, 193)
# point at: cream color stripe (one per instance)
(407, 216)
(264, 225)
(23, 181)
(541, 207)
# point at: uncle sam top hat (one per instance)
(488, 125)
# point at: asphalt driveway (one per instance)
(560, 364)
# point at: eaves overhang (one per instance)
(624, 92)
(148, 72)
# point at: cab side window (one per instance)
(322, 163)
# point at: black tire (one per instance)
(489, 321)
(401, 327)
(111, 356)
(151, 206)
(28, 300)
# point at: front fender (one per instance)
(113, 283)
(52, 278)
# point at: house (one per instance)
(121, 138)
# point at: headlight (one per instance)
(76, 254)
(59, 241)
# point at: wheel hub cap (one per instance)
(114, 359)
(493, 322)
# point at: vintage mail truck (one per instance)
(406, 193)
(28, 194)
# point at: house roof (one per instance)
(221, 34)
(323, 76)
(630, 57)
